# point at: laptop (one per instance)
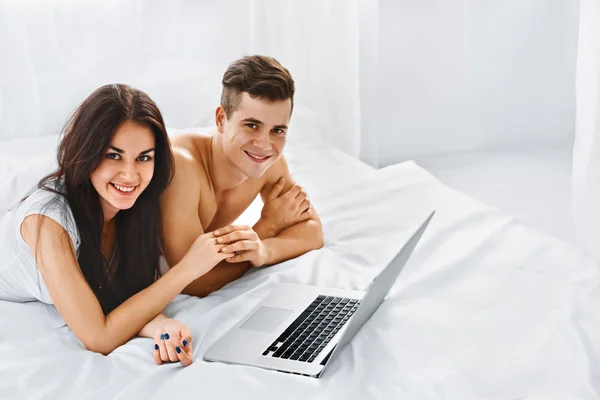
(301, 329)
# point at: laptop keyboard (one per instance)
(304, 339)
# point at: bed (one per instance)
(533, 183)
(486, 308)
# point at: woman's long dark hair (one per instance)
(87, 135)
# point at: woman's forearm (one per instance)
(134, 314)
(150, 327)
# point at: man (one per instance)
(218, 176)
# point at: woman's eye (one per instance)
(144, 158)
(113, 156)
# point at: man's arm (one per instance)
(297, 239)
(181, 226)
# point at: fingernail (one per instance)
(155, 346)
(166, 336)
(224, 249)
(219, 240)
(217, 232)
(162, 337)
(184, 343)
(177, 349)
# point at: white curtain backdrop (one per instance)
(470, 75)
(55, 53)
(586, 151)
(383, 80)
(318, 41)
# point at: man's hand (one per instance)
(244, 242)
(284, 210)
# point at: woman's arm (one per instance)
(76, 301)
(148, 330)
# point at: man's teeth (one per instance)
(256, 156)
(123, 188)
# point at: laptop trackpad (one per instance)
(266, 319)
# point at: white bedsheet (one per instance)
(485, 308)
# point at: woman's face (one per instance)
(126, 168)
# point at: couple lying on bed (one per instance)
(88, 239)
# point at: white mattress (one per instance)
(485, 309)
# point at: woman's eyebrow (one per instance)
(120, 151)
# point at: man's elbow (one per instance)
(318, 238)
(197, 292)
(319, 242)
(200, 288)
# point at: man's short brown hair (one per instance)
(261, 77)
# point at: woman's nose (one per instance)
(129, 173)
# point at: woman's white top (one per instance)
(20, 279)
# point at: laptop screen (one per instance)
(379, 288)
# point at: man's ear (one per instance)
(220, 118)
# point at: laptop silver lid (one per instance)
(378, 289)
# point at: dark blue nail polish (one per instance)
(162, 337)
(177, 349)
(184, 343)
(166, 336)
(155, 346)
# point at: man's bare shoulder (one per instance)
(192, 145)
(189, 179)
(274, 173)
(277, 170)
(190, 139)
(190, 151)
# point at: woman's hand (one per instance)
(244, 242)
(204, 254)
(172, 342)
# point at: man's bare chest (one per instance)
(218, 212)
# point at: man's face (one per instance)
(254, 135)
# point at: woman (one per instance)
(87, 240)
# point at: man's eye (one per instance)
(144, 158)
(113, 156)
(252, 126)
(279, 131)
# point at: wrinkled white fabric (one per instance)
(485, 308)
